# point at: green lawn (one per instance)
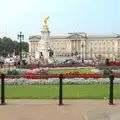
(81, 70)
(3, 71)
(86, 70)
(69, 91)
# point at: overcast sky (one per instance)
(90, 16)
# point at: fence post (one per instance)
(60, 89)
(2, 89)
(111, 77)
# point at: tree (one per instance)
(107, 61)
(25, 46)
(8, 46)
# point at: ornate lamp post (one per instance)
(91, 53)
(82, 54)
(21, 37)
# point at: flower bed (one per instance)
(114, 63)
(53, 72)
(41, 73)
(31, 75)
(54, 81)
(77, 74)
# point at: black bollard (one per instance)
(111, 76)
(2, 89)
(60, 89)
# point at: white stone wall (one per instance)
(61, 46)
(106, 46)
(33, 45)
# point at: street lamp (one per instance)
(91, 53)
(21, 37)
(82, 54)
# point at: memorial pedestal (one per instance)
(44, 48)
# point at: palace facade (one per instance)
(82, 45)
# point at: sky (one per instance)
(90, 16)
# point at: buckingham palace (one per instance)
(80, 44)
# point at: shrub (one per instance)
(108, 67)
(12, 72)
(107, 62)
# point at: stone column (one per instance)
(29, 46)
(86, 47)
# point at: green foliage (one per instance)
(108, 67)
(12, 72)
(7, 46)
(3, 71)
(107, 61)
(106, 72)
(27, 66)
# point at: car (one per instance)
(69, 62)
(9, 60)
(1, 61)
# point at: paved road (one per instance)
(20, 109)
(100, 110)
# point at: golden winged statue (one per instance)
(45, 26)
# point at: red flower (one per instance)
(0, 73)
(30, 75)
(117, 74)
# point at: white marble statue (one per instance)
(45, 50)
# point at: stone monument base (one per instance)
(43, 60)
(51, 60)
(37, 55)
